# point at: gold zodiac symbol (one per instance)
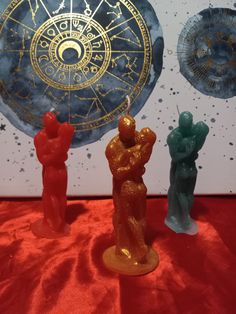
(34, 11)
(100, 89)
(89, 28)
(57, 100)
(51, 32)
(77, 78)
(98, 58)
(61, 7)
(87, 11)
(77, 26)
(62, 77)
(49, 70)
(94, 69)
(132, 38)
(117, 12)
(130, 65)
(21, 52)
(69, 44)
(94, 105)
(44, 44)
(90, 36)
(64, 25)
(43, 58)
(97, 44)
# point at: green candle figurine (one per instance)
(184, 144)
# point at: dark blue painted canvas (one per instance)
(78, 58)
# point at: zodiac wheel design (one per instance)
(78, 58)
(207, 52)
(63, 56)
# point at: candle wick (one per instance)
(129, 104)
(178, 109)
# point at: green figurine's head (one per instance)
(186, 123)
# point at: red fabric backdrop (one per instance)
(197, 274)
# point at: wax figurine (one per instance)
(127, 153)
(52, 144)
(184, 144)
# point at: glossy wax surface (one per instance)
(127, 154)
(184, 144)
(52, 144)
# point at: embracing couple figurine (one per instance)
(184, 144)
(127, 154)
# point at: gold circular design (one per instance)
(69, 44)
(70, 39)
(115, 60)
(56, 36)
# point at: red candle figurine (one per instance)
(127, 154)
(52, 144)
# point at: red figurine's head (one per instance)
(51, 124)
(126, 128)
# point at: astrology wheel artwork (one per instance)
(78, 58)
(207, 52)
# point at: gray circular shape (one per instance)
(207, 52)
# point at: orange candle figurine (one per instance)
(52, 144)
(127, 154)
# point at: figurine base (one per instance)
(124, 266)
(191, 229)
(41, 230)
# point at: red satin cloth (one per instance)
(196, 275)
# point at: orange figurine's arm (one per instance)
(148, 138)
(115, 154)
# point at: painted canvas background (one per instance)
(87, 166)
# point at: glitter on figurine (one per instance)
(184, 144)
(52, 144)
(127, 154)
